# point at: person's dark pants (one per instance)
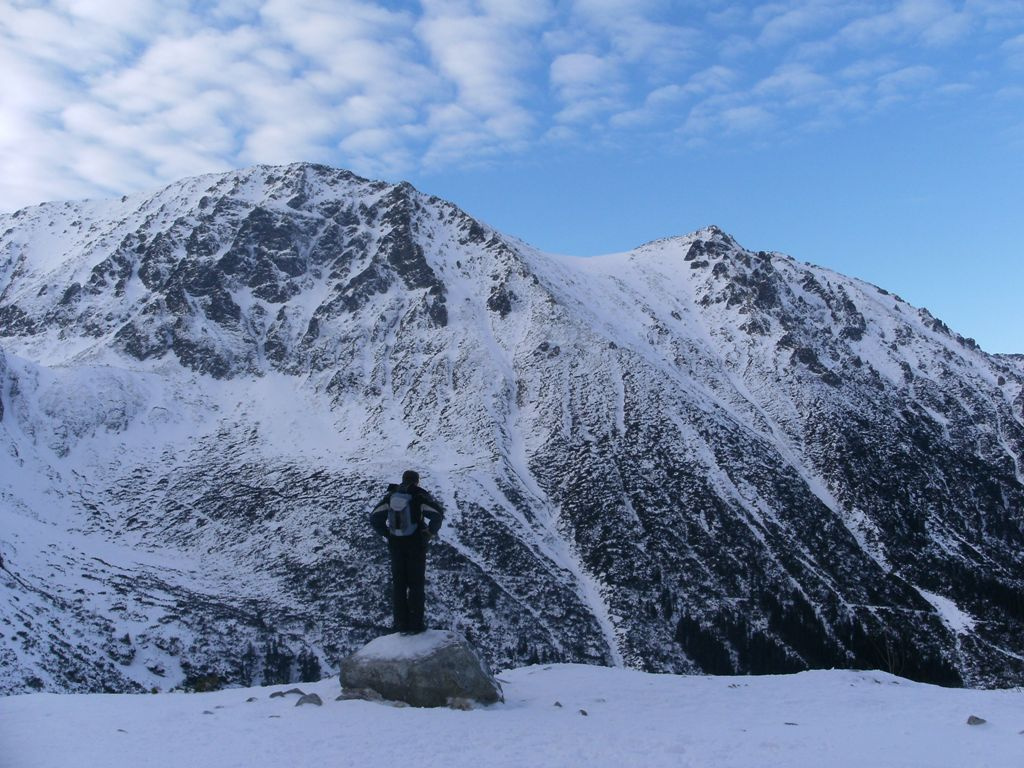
(408, 582)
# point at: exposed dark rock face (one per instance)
(195, 265)
(689, 458)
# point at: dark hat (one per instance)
(410, 477)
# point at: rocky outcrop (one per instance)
(431, 669)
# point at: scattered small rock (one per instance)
(359, 694)
(273, 715)
(282, 694)
(558, 704)
(583, 712)
(250, 699)
(791, 723)
(975, 720)
(122, 730)
(207, 712)
(309, 698)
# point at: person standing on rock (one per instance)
(401, 517)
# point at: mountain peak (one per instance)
(712, 232)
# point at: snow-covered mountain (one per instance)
(687, 457)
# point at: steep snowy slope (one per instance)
(686, 457)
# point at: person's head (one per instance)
(410, 477)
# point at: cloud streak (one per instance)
(98, 103)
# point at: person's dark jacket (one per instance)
(423, 507)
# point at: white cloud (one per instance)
(612, 55)
(954, 89)
(132, 20)
(868, 69)
(794, 83)
(714, 79)
(608, 11)
(935, 22)
(1011, 93)
(899, 84)
(102, 103)
(194, 97)
(587, 85)
(732, 114)
(655, 105)
(581, 71)
(487, 53)
(470, 52)
(633, 32)
(781, 24)
(369, 141)
(1013, 50)
(522, 13)
(664, 103)
(652, 44)
(57, 39)
(746, 119)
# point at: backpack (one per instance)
(400, 519)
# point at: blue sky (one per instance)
(884, 140)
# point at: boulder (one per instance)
(282, 694)
(309, 698)
(425, 670)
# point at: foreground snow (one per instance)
(561, 715)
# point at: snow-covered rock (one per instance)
(429, 669)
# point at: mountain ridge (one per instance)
(228, 371)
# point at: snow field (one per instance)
(812, 719)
